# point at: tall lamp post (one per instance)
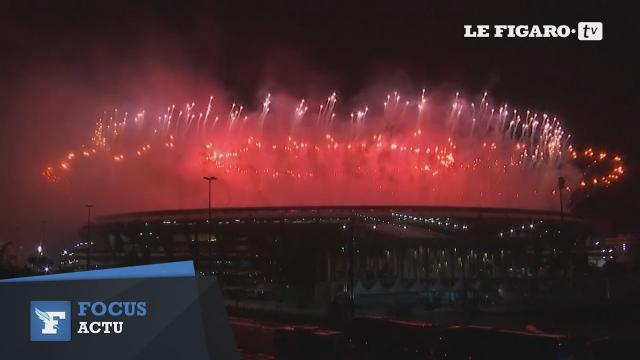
(209, 180)
(44, 233)
(41, 248)
(88, 206)
(561, 186)
(43, 238)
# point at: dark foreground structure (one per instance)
(313, 260)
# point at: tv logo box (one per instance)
(185, 319)
(590, 31)
(50, 321)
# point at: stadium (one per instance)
(302, 259)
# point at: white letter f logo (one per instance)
(49, 320)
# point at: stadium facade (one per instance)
(307, 257)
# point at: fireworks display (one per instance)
(420, 150)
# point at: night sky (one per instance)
(65, 60)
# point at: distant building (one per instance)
(624, 249)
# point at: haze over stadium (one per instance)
(413, 150)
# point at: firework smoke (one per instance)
(419, 150)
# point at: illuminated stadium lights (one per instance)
(267, 240)
(445, 224)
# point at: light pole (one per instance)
(44, 233)
(43, 237)
(561, 186)
(209, 180)
(41, 247)
(88, 206)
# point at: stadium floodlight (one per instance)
(210, 179)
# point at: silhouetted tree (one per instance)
(6, 261)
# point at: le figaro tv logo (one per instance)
(53, 320)
(586, 31)
(50, 320)
(590, 31)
